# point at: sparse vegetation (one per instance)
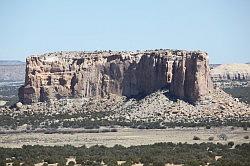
(117, 111)
(93, 120)
(71, 163)
(156, 154)
(211, 138)
(231, 143)
(196, 138)
(223, 136)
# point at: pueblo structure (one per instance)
(89, 74)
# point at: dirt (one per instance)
(127, 137)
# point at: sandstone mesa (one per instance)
(89, 74)
(231, 75)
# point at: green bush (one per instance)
(2, 162)
(208, 127)
(196, 138)
(45, 164)
(16, 163)
(71, 163)
(192, 163)
(222, 136)
(210, 138)
(127, 163)
(158, 163)
(231, 143)
(155, 154)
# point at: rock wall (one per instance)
(89, 74)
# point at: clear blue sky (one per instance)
(220, 27)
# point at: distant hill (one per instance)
(232, 71)
(213, 65)
(12, 70)
(11, 62)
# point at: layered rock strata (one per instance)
(89, 74)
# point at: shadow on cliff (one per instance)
(164, 91)
(175, 99)
(169, 95)
(144, 78)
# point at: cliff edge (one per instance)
(88, 74)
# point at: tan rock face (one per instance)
(88, 74)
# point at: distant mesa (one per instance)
(89, 74)
(231, 75)
(213, 65)
(11, 70)
(231, 72)
(11, 62)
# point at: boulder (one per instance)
(19, 105)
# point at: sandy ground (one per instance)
(126, 137)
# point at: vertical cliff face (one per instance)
(88, 74)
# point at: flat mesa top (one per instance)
(81, 54)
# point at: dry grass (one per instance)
(126, 137)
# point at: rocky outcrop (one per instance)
(89, 74)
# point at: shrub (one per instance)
(2, 163)
(245, 128)
(246, 137)
(71, 163)
(211, 138)
(45, 164)
(50, 160)
(231, 143)
(16, 163)
(28, 164)
(113, 130)
(196, 138)
(192, 163)
(110, 162)
(208, 127)
(149, 155)
(127, 163)
(222, 136)
(158, 163)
